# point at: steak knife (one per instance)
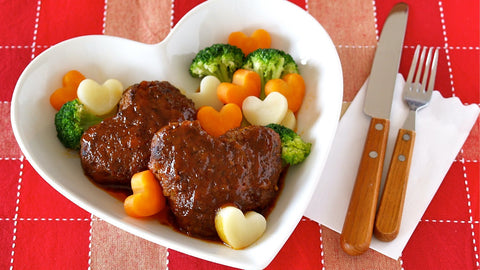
(358, 226)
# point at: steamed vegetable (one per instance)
(71, 121)
(68, 91)
(238, 230)
(260, 38)
(147, 198)
(270, 64)
(291, 86)
(294, 148)
(219, 60)
(245, 83)
(217, 123)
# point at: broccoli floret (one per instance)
(294, 148)
(219, 60)
(270, 64)
(71, 121)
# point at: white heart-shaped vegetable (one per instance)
(100, 99)
(289, 121)
(207, 96)
(263, 112)
(238, 230)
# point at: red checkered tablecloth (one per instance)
(40, 229)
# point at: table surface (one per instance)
(40, 229)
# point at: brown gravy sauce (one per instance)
(165, 217)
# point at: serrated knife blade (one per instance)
(358, 226)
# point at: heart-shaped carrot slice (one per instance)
(259, 39)
(147, 198)
(291, 86)
(68, 91)
(217, 123)
(245, 83)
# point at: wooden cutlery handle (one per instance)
(389, 215)
(358, 226)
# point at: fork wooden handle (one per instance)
(358, 226)
(389, 214)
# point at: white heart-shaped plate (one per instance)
(102, 57)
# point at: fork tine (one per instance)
(425, 73)
(433, 72)
(413, 65)
(420, 66)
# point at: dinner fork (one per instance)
(416, 96)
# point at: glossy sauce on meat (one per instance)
(200, 173)
(112, 151)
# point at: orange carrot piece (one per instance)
(147, 198)
(244, 83)
(291, 86)
(259, 39)
(68, 92)
(217, 123)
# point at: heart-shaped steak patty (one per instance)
(117, 148)
(200, 173)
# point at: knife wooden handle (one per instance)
(389, 215)
(358, 226)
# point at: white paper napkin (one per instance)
(441, 130)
